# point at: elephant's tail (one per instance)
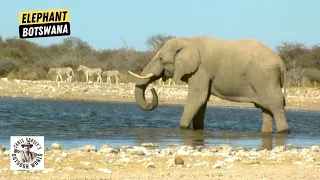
(284, 86)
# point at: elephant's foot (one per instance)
(267, 126)
(284, 131)
(282, 124)
(266, 130)
(198, 126)
(184, 125)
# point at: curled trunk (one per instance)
(141, 100)
(152, 72)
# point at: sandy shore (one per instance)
(297, 98)
(180, 162)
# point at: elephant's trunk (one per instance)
(152, 72)
(141, 100)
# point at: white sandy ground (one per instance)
(138, 162)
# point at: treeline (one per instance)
(303, 63)
(22, 59)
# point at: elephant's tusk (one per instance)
(141, 77)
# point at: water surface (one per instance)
(77, 123)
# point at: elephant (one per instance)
(242, 70)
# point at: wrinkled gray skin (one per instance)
(240, 71)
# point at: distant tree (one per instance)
(155, 42)
(313, 60)
(294, 55)
(1, 42)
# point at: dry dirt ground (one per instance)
(68, 164)
(222, 163)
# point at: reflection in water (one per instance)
(209, 138)
(193, 138)
(76, 123)
(269, 141)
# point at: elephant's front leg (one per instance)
(194, 110)
(195, 106)
(198, 120)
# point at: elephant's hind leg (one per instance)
(267, 119)
(276, 106)
(280, 118)
(274, 110)
(271, 98)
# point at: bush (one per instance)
(7, 66)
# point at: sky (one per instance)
(102, 23)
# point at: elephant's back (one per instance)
(248, 53)
(259, 51)
(245, 51)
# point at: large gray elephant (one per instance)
(240, 71)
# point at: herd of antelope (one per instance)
(90, 72)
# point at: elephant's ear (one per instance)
(187, 61)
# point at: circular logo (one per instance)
(27, 153)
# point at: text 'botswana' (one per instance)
(44, 23)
